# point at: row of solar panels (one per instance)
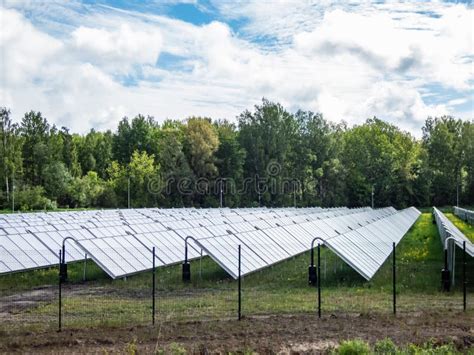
(36, 244)
(362, 237)
(447, 229)
(363, 240)
(269, 243)
(107, 217)
(464, 214)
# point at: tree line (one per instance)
(270, 157)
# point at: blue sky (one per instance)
(86, 64)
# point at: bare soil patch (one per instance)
(296, 334)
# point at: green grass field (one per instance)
(281, 289)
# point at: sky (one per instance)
(87, 64)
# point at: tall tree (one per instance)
(267, 134)
(468, 173)
(200, 144)
(173, 164)
(95, 151)
(442, 138)
(35, 132)
(134, 135)
(70, 152)
(10, 151)
(379, 157)
(230, 158)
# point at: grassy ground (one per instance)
(463, 226)
(281, 289)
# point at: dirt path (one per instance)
(27, 299)
(272, 334)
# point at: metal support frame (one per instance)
(85, 268)
(63, 265)
(394, 278)
(464, 280)
(312, 271)
(63, 277)
(240, 285)
(154, 288)
(186, 264)
(60, 293)
(447, 276)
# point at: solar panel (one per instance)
(361, 248)
(465, 214)
(447, 229)
(364, 250)
(23, 252)
(120, 241)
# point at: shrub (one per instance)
(32, 198)
(385, 346)
(177, 349)
(430, 348)
(353, 347)
(86, 191)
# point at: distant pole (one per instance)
(221, 191)
(372, 196)
(13, 192)
(128, 192)
(457, 189)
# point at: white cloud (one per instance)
(350, 63)
(25, 50)
(122, 45)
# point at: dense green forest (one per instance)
(271, 157)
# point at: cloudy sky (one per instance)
(87, 64)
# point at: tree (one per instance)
(132, 136)
(230, 158)
(468, 172)
(173, 164)
(442, 138)
(35, 132)
(314, 158)
(87, 191)
(378, 155)
(56, 180)
(268, 135)
(141, 171)
(200, 143)
(95, 151)
(272, 158)
(70, 152)
(10, 151)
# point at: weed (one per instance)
(353, 347)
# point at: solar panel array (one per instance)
(447, 229)
(363, 240)
(120, 241)
(464, 214)
(33, 240)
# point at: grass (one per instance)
(466, 228)
(279, 289)
(387, 347)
